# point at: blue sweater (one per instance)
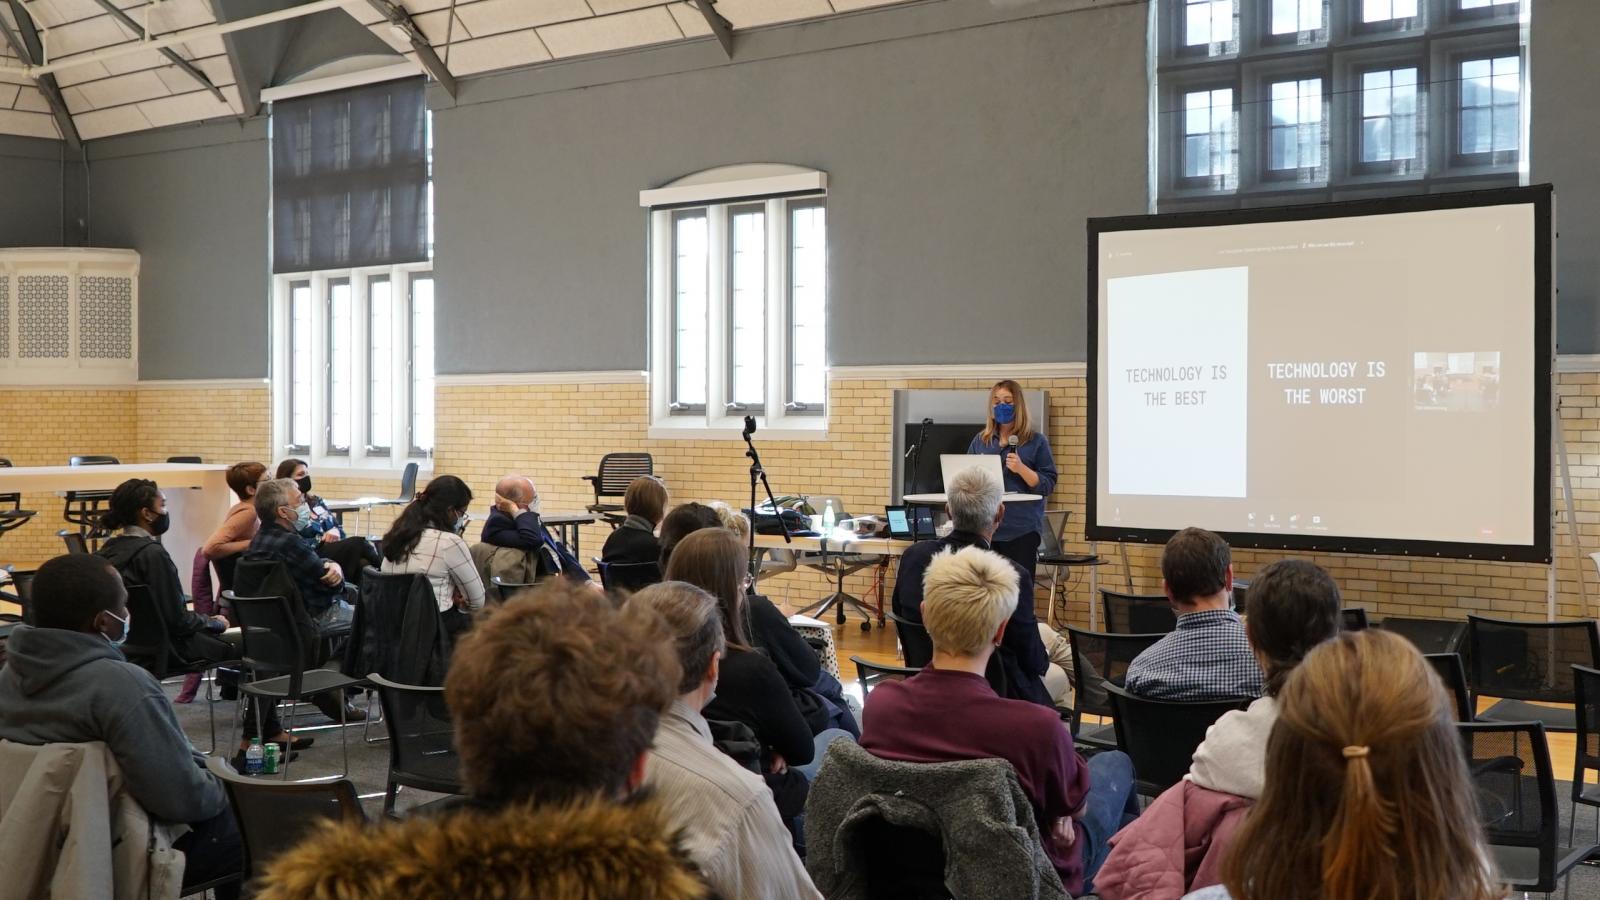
(1022, 518)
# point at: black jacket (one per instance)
(770, 629)
(631, 544)
(750, 690)
(1022, 659)
(143, 561)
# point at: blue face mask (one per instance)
(302, 517)
(1005, 413)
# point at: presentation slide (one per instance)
(1366, 377)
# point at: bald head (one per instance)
(516, 488)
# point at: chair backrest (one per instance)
(820, 503)
(190, 460)
(869, 674)
(93, 461)
(618, 470)
(915, 644)
(1099, 659)
(629, 576)
(408, 483)
(1053, 531)
(1160, 736)
(1137, 613)
(74, 541)
(400, 636)
(509, 589)
(1586, 680)
(275, 815)
(14, 499)
(149, 645)
(1430, 635)
(1454, 675)
(422, 752)
(1529, 660)
(19, 590)
(1241, 597)
(1515, 789)
(1353, 618)
(273, 642)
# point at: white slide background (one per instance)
(1179, 320)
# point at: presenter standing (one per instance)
(1028, 468)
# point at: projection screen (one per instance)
(1368, 377)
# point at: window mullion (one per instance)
(719, 324)
(777, 310)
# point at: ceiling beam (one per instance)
(720, 26)
(171, 54)
(400, 20)
(30, 51)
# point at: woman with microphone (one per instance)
(1027, 467)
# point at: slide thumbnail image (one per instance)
(1456, 381)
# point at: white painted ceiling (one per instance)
(145, 90)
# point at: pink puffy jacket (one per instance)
(1174, 847)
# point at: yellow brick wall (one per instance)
(556, 433)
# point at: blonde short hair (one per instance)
(732, 519)
(966, 594)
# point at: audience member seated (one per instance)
(136, 516)
(1021, 668)
(321, 531)
(234, 534)
(281, 507)
(730, 825)
(684, 520)
(552, 769)
(949, 712)
(634, 541)
(1179, 843)
(426, 539)
(1367, 792)
(65, 682)
(1207, 657)
(751, 690)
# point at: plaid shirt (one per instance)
(1206, 658)
(276, 542)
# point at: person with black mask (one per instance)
(137, 516)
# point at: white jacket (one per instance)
(70, 828)
(1233, 757)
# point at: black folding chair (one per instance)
(274, 816)
(274, 646)
(916, 648)
(869, 674)
(509, 589)
(1099, 660)
(83, 509)
(1526, 664)
(398, 633)
(1429, 635)
(1517, 804)
(187, 460)
(1587, 758)
(73, 541)
(617, 471)
(1160, 736)
(149, 646)
(628, 576)
(16, 516)
(1137, 614)
(1353, 618)
(422, 754)
(1454, 675)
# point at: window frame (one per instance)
(360, 457)
(372, 447)
(1392, 166)
(676, 406)
(791, 406)
(1317, 174)
(730, 404)
(1490, 159)
(1306, 37)
(413, 450)
(1205, 183)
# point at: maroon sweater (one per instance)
(939, 716)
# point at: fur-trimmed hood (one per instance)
(589, 850)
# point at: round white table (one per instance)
(936, 499)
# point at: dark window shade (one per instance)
(350, 178)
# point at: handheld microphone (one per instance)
(1011, 446)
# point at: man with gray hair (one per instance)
(726, 814)
(1021, 665)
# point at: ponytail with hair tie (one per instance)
(1364, 828)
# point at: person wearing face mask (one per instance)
(137, 515)
(320, 529)
(426, 538)
(65, 681)
(1027, 466)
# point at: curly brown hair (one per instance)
(557, 693)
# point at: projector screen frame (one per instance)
(1541, 197)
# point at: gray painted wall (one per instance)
(963, 154)
(194, 203)
(30, 202)
(1564, 67)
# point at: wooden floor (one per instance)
(879, 646)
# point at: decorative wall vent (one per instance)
(69, 316)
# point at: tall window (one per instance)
(299, 367)
(1388, 115)
(739, 301)
(1296, 129)
(380, 364)
(420, 365)
(1312, 101)
(1491, 102)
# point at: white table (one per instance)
(940, 498)
(197, 495)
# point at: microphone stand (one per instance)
(916, 456)
(757, 473)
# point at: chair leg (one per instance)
(389, 794)
(211, 711)
(344, 735)
(288, 728)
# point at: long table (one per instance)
(832, 554)
(197, 497)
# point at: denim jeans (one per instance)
(821, 742)
(1111, 804)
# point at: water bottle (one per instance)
(254, 758)
(827, 518)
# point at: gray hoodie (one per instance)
(63, 686)
(1233, 757)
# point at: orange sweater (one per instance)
(235, 533)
